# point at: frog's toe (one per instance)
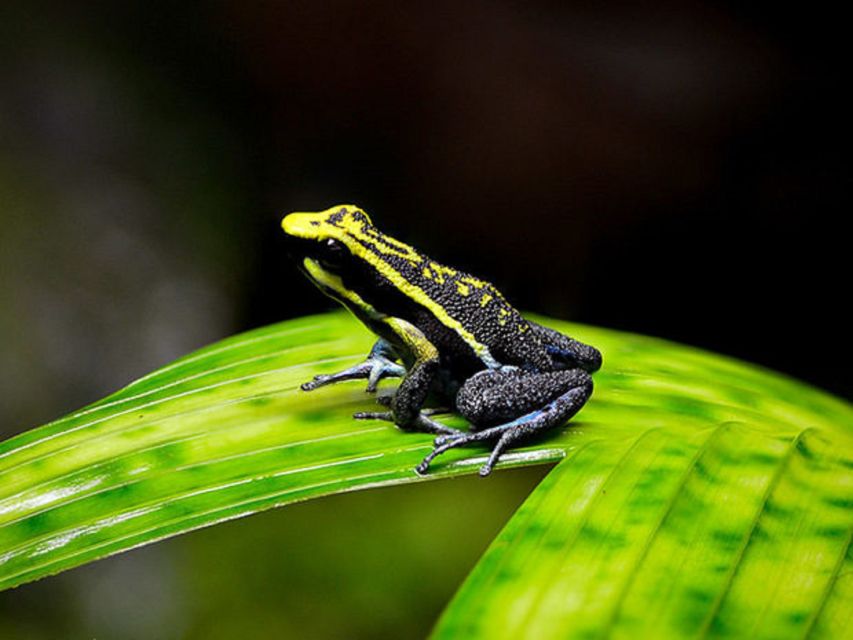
(382, 368)
(374, 415)
(426, 424)
(445, 442)
(319, 380)
(452, 436)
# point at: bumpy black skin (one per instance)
(537, 377)
(504, 341)
(510, 404)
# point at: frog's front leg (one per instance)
(409, 399)
(509, 405)
(378, 364)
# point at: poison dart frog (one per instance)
(445, 333)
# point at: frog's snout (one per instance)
(301, 225)
(298, 243)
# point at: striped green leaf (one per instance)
(697, 495)
(703, 498)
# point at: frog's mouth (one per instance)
(298, 248)
(302, 250)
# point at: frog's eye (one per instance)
(332, 253)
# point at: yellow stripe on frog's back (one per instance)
(417, 294)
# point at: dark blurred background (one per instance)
(672, 168)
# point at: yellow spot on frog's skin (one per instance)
(384, 247)
(437, 273)
(522, 328)
(474, 282)
(427, 273)
(371, 236)
(463, 289)
(441, 273)
(503, 312)
(485, 299)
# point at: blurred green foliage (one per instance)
(337, 567)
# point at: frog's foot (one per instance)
(552, 414)
(506, 435)
(374, 369)
(423, 422)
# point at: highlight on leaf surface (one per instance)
(698, 495)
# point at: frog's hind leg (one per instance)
(510, 405)
(566, 352)
(378, 364)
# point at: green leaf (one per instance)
(222, 433)
(728, 512)
(697, 496)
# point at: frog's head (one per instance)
(329, 245)
(327, 237)
(341, 244)
(336, 223)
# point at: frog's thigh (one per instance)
(493, 397)
(509, 405)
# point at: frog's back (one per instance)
(457, 311)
